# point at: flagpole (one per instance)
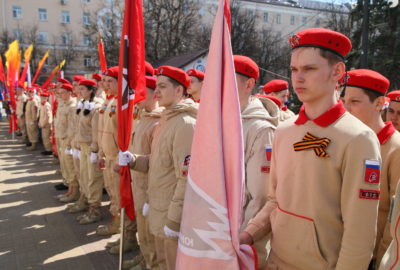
(121, 242)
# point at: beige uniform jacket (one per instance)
(390, 175)
(109, 139)
(102, 113)
(259, 121)
(32, 111)
(168, 166)
(322, 210)
(61, 123)
(45, 115)
(285, 114)
(73, 127)
(20, 102)
(142, 137)
(88, 126)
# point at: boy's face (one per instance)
(313, 78)
(393, 114)
(166, 93)
(358, 104)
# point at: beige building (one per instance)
(61, 26)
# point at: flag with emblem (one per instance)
(209, 239)
(131, 88)
(102, 55)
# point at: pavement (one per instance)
(35, 230)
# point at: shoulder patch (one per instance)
(369, 194)
(268, 151)
(185, 166)
(372, 171)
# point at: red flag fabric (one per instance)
(227, 14)
(131, 88)
(40, 65)
(102, 55)
(2, 74)
(209, 239)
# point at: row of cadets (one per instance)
(321, 208)
(259, 121)
(66, 109)
(20, 113)
(168, 162)
(364, 97)
(280, 90)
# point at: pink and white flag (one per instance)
(212, 212)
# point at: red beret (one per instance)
(66, 86)
(322, 38)
(62, 80)
(394, 95)
(275, 86)
(151, 82)
(176, 74)
(78, 78)
(276, 100)
(196, 73)
(149, 69)
(88, 82)
(31, 89)
(52, 85)
(44, 94)
(246, 66)
(368, 80)
(112, 72)
(97, 76)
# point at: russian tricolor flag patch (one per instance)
(268, 151)
(372, 171)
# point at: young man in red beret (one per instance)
(142, 137)
(364, 98)
(20, 112)
(66, 108)
(324, 183)
(280, 90)
(393, 112)
(167, 165)
(259, 121)
(31, 118)
(196, 83)
(45, 121)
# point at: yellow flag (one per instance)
(28, 53)
(61, 64)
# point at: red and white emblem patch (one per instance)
(268, 151)
(185, 166)
(372, 171)
(369, 194)
(265, 169)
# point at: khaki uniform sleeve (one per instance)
(181, 150)
(260, 225)
(94, 147)
(359, 214)
(257, 173)
(70, 127)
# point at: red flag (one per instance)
(27, 57)
(102, 55)
(227, 14)
(2, 74)
(131, 88)
(41, 63)
(209, 239)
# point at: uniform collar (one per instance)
(385, 133)
(325, 119)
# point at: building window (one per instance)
(278, 18)
(86, 18)
(317, 22)
(250, 12)
(17, 12)
(292, 20)
(42, 14)
(42, 37)
(278, 35)
(265, 16)
(109, 21)
(86, 40)
(65, 17)
(65, 39)
(17, 33)
(304, 20)
(87, 61)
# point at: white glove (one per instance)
(76, 154)
(93, 157)
(170, 233)
(88, 105)
(80, 105)
(79, 154)
(145, 209)
(124, 158)
(69, 152)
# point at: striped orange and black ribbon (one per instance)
(311, 142)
